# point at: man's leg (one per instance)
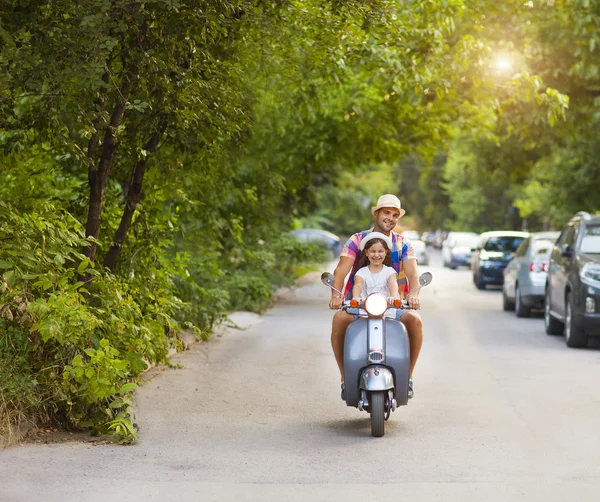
(341, 321)
(414, 326)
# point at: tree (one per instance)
(108, 82)
(545, 165)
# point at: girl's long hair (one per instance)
(363, 261)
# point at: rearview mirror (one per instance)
(426, 278)
(327, 279)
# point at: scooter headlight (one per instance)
(376, 304)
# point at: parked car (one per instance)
(492, 254)
(457, 249)
(322, 237)
(427, 238)
(573, 283)
(525, 275)
(438, 238)
(418, 245)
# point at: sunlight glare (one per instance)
(503, 64)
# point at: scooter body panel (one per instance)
(375, 378)
(356, 352)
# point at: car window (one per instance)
(469, 241)
(522, 249)
(563, 236)
(449, 240)
(542, 247)
(591, 240)
(502, 243)
(572, 238)
(567, 236)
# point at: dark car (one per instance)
(322, 237)
(573, 283)
(525, 275)
(491, 256)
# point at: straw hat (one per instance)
(388, 200)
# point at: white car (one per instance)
(457, 249)
(418, 245)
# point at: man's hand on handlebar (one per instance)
(413, 302)
(336, 302)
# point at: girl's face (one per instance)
(376, 253)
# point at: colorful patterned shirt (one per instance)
(401, 250)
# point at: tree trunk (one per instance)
(93, 143)
(134, 195)
(98, 176)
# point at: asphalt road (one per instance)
(501, 412)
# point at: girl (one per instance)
(375, 273)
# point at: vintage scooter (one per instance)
(376, 356)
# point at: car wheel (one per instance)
(574, 335)
(553, 326)
(479, 282)
(507, 305)
(521, 309)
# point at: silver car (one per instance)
(525, 274)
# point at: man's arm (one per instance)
(412, 274)
(341, 271)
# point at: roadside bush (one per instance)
(71, 355)
(19, 399)
(249, 292)
(80, 350)
(204, 301)
(260, 270)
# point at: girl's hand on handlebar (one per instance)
(336, 302)
(392, 299)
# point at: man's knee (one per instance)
(341, 320)
(413, 322)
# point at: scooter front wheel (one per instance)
(377, 402)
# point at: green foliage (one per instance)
(345, 207)
(260, 270)
(190, 136)
(205, 300)
(19, 392)
(249, 292)
(82, 351)
(481, 181)
(544, 165)
(100, 382)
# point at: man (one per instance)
(386, 214)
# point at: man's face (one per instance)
(385, 219)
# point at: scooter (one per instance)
(376, 356)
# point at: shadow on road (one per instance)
(360, 427)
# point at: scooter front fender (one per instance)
(375, 378)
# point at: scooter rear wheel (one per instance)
(377, 414)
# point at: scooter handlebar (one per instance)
(399, 303)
